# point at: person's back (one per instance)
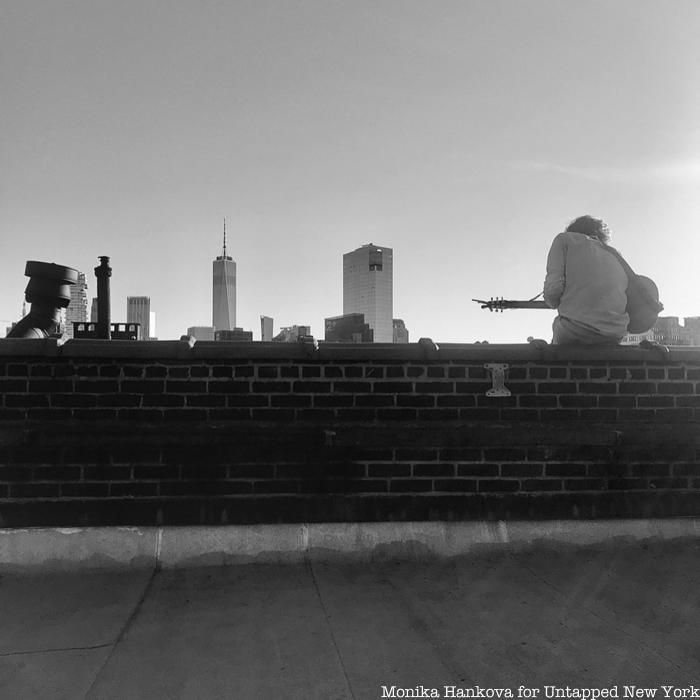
(587, 285)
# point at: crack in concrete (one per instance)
(310, 567)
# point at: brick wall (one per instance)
(146, 433)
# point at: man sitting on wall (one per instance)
(587, 285)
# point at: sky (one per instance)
(463, 134)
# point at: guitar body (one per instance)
(643, 304)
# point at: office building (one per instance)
(291, 334)
(201, 332)
(138, 310)
(77, 309)
(368, 288)
(237, 335)
(266, 328)
(93, 310)
(349, 328)
(400, 331)
(224, 291)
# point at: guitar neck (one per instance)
(500, 304)
(513, 304)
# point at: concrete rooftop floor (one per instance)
(610, 615)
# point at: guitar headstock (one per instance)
(494, 304)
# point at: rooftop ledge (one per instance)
(424, 350)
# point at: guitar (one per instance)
(499, 304)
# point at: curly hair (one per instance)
(590, 226)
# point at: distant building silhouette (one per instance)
(77, 310)
(668, 331)
(400, 331)
(291, 334)
(138, 310)
(224, 291)
(368, 288)
(348, 328)
(201, 332)
(235, 334)
(93, 310)
(266, 328)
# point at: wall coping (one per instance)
(425, 350)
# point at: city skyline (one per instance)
(465, 135)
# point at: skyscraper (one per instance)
(368, 288)
(138, 310)
(77, 309)
(224, 291)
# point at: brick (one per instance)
(438, 414)
(72, 400)
(557, 388)
(388, 470)
(676, 388)
(512, 454)
(244, 371)
(416, 454)
(564, 469)
(353, 372)
(617, 401)
(374, 400)
(456, 485)
(118, 400)
(268, 372)
(207, 400)
(483, 469)
(541, 485)
(578, 401)
(84, 490)
(434, 469)
(482, 414)
(41, 371)
(47, 386)
(436, 372)
(27, 400)
(272, 387)
(395, 372)
(156, 372)
(133, 372)
(637, 388)
(374, 372)
(333, 401)
(164, 400)
(498, 485)
(186, 415)
(234, 414)
(396, 414)
(460, 454)
(584, 484)
(185, 387)
(226, 372)
(273, 414)
(410, 485)
(257, 400)
(133, 489)
(435, 387)
(292, 372)
(311, 371)
(294, 400)
(413, 401)
(178, 372)
(200, 371)
(537, 401)
(473, 387)
(311, 387)
(34, 490)
(153, 386)
(96, 414)
(456, 400)
(415, 371)
(514, 469)
(15, 370)
(233, 387)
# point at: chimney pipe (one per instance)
(104, 314)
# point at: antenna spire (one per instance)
(224, 237)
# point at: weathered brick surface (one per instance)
(113, 433)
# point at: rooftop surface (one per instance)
(547, 617)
